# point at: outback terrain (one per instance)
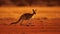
(45, 21)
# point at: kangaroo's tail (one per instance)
(16, 21)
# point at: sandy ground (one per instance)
(47, 22)
(37, 26)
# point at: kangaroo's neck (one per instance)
(32, 13)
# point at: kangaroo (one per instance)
(25, 16)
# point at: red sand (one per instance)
(41, 26)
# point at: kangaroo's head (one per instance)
(34, 11)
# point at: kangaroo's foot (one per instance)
(29, 24)
(13, 23)
(22, 24)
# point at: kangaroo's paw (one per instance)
(13, 23)
(21, 24)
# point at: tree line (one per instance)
(31, 2)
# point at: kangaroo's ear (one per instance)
(34, 9)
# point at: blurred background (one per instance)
(29, 2)
(45, 8)
(13, 9)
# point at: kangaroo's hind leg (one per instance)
(23, 22)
